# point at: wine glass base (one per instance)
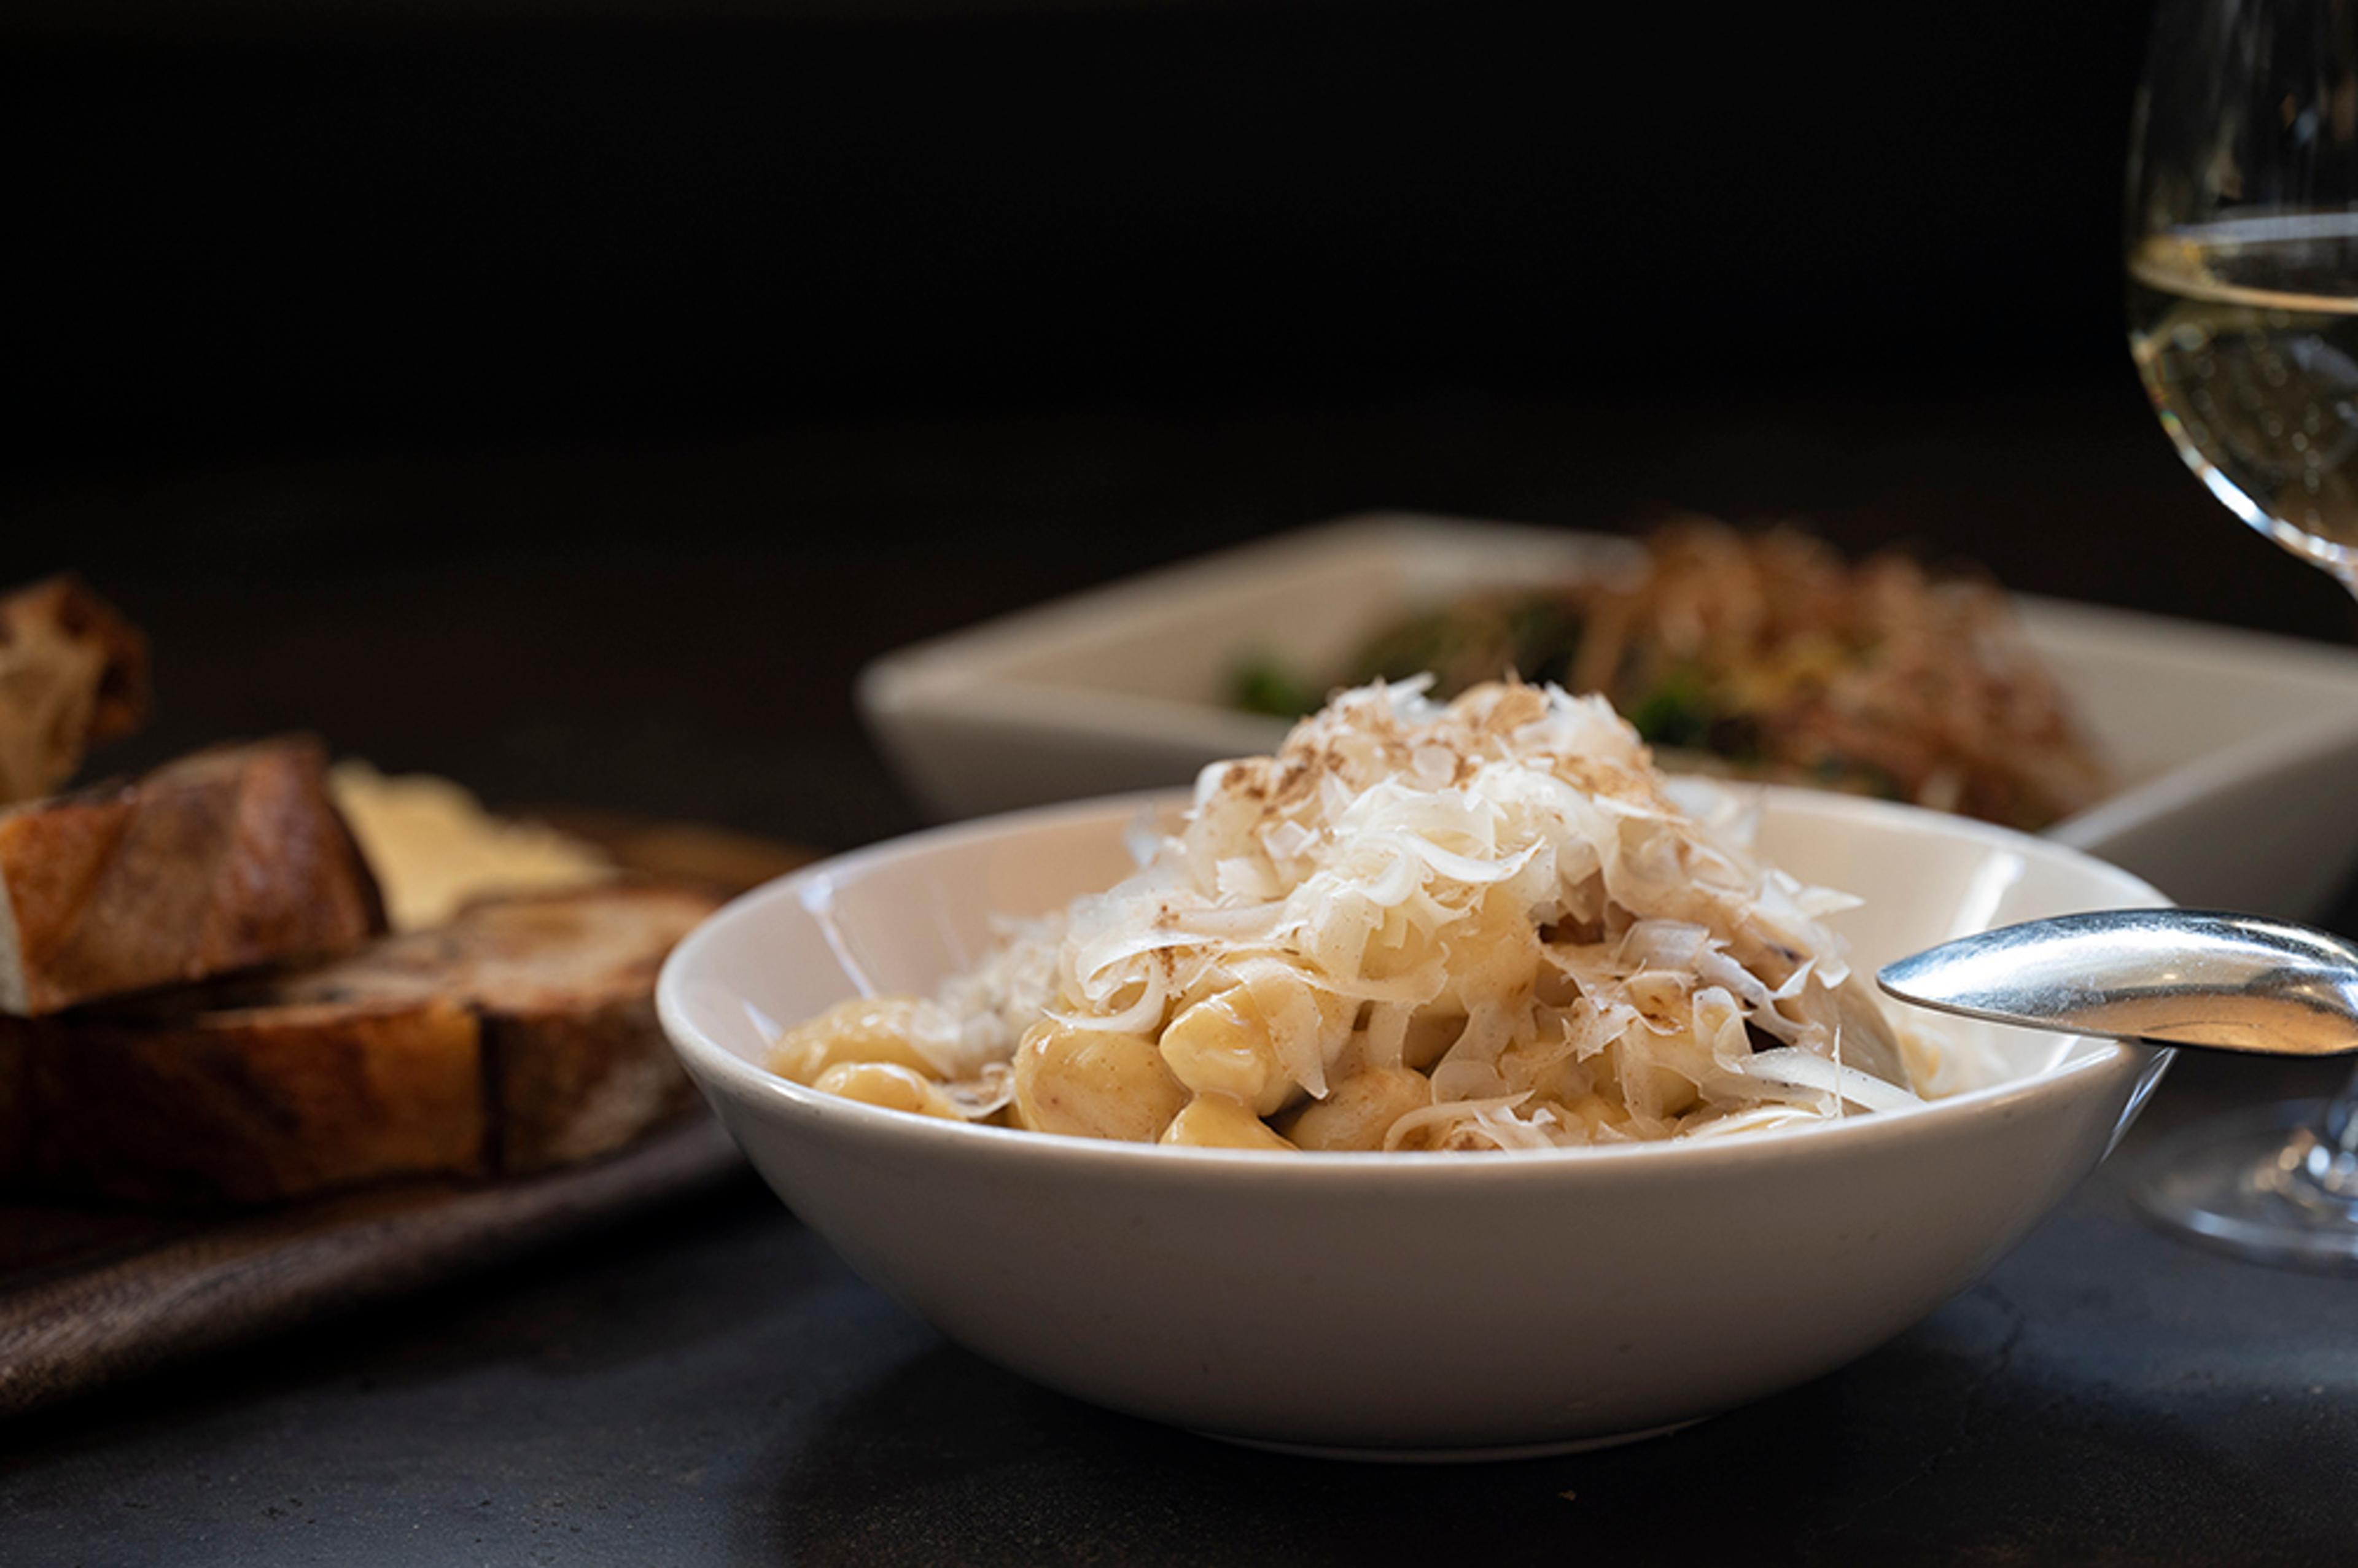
(2236, 1184)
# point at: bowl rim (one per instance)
(723, 1071)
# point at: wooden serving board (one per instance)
(90, 1294)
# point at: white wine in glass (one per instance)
(2242, 274)
(2246, 334)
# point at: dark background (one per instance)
(422, 224)
(494, 386)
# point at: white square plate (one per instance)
(2239, 749)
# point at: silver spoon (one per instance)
(2174, 977)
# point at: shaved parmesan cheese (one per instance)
(1499, 894)
(1792, 1068)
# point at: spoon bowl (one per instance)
(2199, 979)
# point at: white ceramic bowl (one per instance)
(1390, 1303)
(2235, 750)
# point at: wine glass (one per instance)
(2243, 275)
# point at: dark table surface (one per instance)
(673, 630)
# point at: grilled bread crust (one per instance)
(225, 860)
(519, 1037)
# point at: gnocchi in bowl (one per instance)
(1390, 1302)
(1480, 927)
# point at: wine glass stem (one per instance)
(2321, 1162)
(2339, 1126)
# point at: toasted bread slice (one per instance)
(564, 983)
(251, 1104)
(518, 1037)
(73, 674)
(223, 860)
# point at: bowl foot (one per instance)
(1453, 1455)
